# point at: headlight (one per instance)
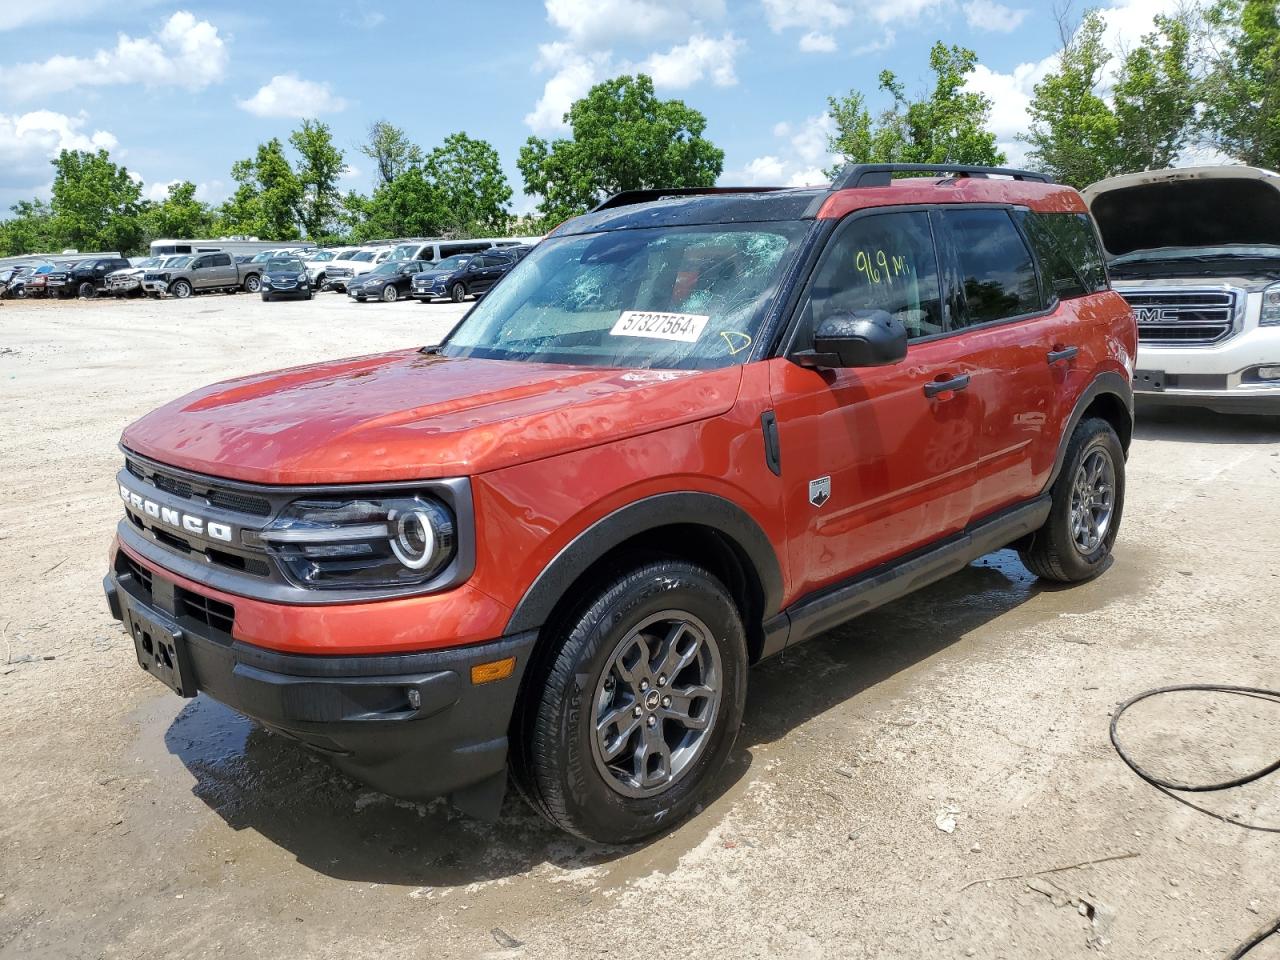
(353, 543)
(302, 278)
(1270, 306)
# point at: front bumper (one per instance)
(155, 286)
(411, 725)
(1219, 377)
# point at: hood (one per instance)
(413, 416)
(1191, 207)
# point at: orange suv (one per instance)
(690, 429)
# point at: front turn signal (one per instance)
(493, 670)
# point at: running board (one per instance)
(834, 605)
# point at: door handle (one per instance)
(1066, 353)
(935, 387)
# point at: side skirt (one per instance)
(832, 606)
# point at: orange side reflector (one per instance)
(494, 670)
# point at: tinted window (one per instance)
(220, 260)
(996, 268)
(1067, 247)
(881, 262)
(449, 249)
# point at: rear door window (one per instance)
(997, 273)
(1067, 247)
(884, 261)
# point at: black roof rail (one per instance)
(629, 197)
(881, 174)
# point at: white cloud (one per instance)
(349, 172)
(573, 75)
(183, 52)
(798, 163)
(29, 141)
(813, 14)
(600, 24)
(993, 17)
(686, 64)
(815, 42)
(158, 191)
(905, 11)
(288, 95)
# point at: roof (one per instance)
(867, 186)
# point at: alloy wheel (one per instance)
(655, 704)
(1093, 499)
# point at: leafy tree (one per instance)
(29, 230)
(624, 138)
(1241, 115)
(473, 192)
(179, 214)
(95, 203)
(320, 166)
(391, 151)
(268, 196)
(410, 205)
(1079, 137)
(947, 126)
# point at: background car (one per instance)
(32, 283)
(387, 281)
(286, 277)
(462, 276)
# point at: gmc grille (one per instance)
(1183, 317)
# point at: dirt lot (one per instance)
(134, 824)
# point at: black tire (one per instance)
(1053, 552)
(390, 294)
(252, 283)
(86, 291)
(180, 289)
(457, 293)
(553, 762)
(20, 293)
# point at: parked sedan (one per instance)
(286, 277)
(464, 275)
(389, 280)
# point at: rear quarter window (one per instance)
(1066, 245)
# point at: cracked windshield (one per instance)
(672, 297)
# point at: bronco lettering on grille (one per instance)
(187, 522)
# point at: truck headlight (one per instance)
(1270, 306)
(339, 544)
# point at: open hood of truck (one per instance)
(1191, 207)
(414, 416)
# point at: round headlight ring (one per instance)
(413, 539)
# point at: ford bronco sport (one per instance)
(690, 429)
(1196, 252)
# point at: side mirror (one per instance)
(862, 338)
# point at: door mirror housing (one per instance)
(861, 338)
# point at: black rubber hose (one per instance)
(1167, 787)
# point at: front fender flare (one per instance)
(588, 547)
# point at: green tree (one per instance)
(96, 204)
(267, 197)
(409, 205)
(1241, 115)
(179, 214)
(29, 230)
(472, 189)
(1079, 137)
(947, 126)
(623, 138)
(319, 167)
(391, 151)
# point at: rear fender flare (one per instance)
(1108, 382)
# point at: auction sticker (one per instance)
(686, 327)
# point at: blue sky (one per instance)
(181, 90)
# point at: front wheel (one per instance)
(635, 706)
(1088, 498)
(390, 294)
(180, 289)
(458, 293)
(87, 291)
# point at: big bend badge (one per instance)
(819, 491)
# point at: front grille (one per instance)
(214, 496)
(141, 575)
(1183, 317)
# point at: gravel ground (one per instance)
(956, 736)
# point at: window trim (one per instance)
(826, 241)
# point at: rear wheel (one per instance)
(252, 283)
(458, 293)
(180, 289)
(1088, 499)
(635, 705)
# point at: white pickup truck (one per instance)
(1196, 252)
